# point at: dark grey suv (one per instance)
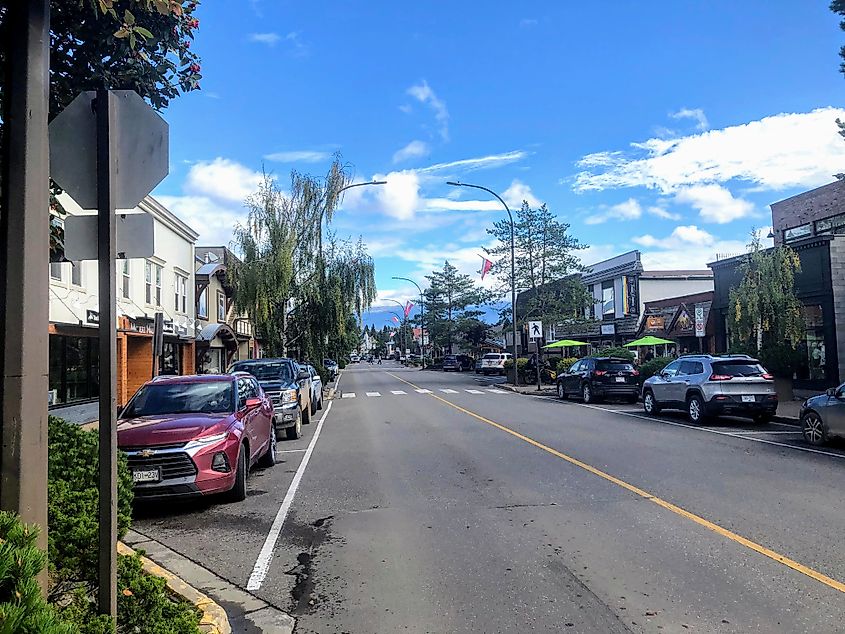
(706, 385)
(823, 416)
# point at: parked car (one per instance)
(478, 365)
(823, 416)
(707, 385)
(332, 366)
(596, 378)
(354, 358)
(457, 362)
(196, 435)
(289, 387)
(494, 362)
(316, 389)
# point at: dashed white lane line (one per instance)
(474, 391)
(496, 391)
(373, 393)
(448, 391)
(422, 391)
(262, 564)
(398, 392)
(348, 395)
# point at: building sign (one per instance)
(654, 323)
(684, 322)
(700, 324)
(631, 299)
(92, 317)
(608, 329)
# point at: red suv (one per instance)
(196, 435)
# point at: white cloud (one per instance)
(480, 162)
(406, 108)
(687, 247)
(400, 197)
(222, 179)
(271, 39)
(662, 212)
(414, 149)
(519, 191)
(697, 114)
(423, 93)
(715, 203)
(628, 210)
(773, 153)
(298, 156)
(214, 220)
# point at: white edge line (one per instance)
(712, 431)
(262, 564)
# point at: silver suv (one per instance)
(706, 385)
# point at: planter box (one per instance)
(783, 388)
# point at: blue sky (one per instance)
(665, 126)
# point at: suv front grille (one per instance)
(175, 464)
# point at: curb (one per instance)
(214, 619)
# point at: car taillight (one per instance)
(720, 377)
(601, 372)
(768, 377)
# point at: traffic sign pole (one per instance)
(106, 252)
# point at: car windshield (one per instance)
(738, 368)
(492, 356)
(270, 371)
(212, 397)
(614, 366)
(450, 357)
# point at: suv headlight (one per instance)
(288, 396)
(205, 441)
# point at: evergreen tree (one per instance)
(450, 297)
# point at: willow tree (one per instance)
(764, 315)
(295, 290)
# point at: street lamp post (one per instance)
(401, 333)
(513, 267)
(422, 316)
(402, 324)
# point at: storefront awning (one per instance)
(222, 331)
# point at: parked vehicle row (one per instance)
(201, 435)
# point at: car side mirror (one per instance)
(252, 403)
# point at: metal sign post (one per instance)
(106, 253)
(108, 150)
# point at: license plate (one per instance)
(146, 475)
(748, 399)
(620, 379)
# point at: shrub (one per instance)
(325, 375)
(780, 359)
(508, 364)
(341, 363)
(619, 353)
(564, 364)
(22, 608)
(654, 366)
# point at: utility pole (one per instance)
(24, 261)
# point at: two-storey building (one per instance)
(162, 283)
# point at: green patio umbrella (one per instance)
(565, 343)
(648, 341)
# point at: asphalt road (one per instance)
(437, 502)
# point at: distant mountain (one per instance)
(379, 316)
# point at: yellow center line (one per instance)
(724, 532)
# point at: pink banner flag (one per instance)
(395, 318)
(408, 306)
(486, 265)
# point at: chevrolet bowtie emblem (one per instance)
(147, 453)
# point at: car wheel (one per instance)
(306, 415)
(650, 405)
(238, 491)
(313, 407)
(587, 393)
(269, 458)
(295, 432)
(813, 429)
(695, 409)
(561, 391)
(320, 403)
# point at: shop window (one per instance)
(170, 359)
(813, 360)
(124, 278)
(221, 307)
(74, 366)
(608, 300)
(796, 233)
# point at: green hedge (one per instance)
(652, 367)
(22, 608)
(143, 602)
(618, 353)
(564, 364)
